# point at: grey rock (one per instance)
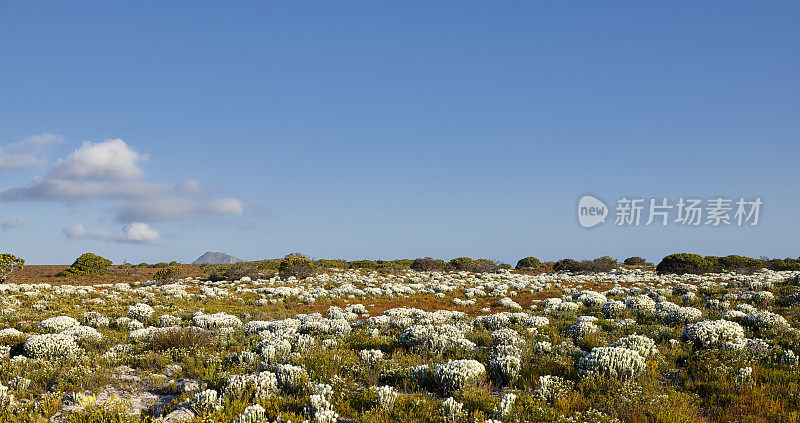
(182, 414)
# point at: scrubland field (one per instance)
(401, 341)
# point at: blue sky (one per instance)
(382, 130)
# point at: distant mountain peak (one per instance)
(215, 257)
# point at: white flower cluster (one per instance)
(252, 414)
(639, 343)
(789, 358)
(257, 387)
(506, 405)
(6, 399)
(756, 348)
(713, 333)
(744, 378)
(141, 312)
(319, 406)
(371, 357)
(504, 369)
(51, 346)
(684, 315)
(614, 308)
(57, 324)
(552, 387)
(95, 320)
(582, 328)
(205, 402)
(167, 320)
(590, 298)
(453, 410)
(767, 320)
(439, 339)
(84, 334)
(613, 362)
(290, 378)
(216, 321)
(509, 304)
(387, 395)
(457, 374)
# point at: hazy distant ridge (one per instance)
(213, 257)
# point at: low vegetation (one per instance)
(388, 343)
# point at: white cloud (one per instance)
(155, 210)
(11, 222)
(111, 159)
(230, 206)
(139, 233)
(111, 170)
(28, 152)
(176, 208)
(67, 190)
(77, 231)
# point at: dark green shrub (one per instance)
(462, 264)
(684, 263)
(363, 264)
(8, 263)
(428, 264)
(167, 274)
(240, 270)
(739, 264)
(392, 265)
(400, 264)
(161, 265)
(466, 264)
(268, 264)
(566, 265)
(87, 264)
(299, 267)
(528, 263)
(634, 261)
(505, 266)
(783, 264)
(601, 264)
(331, 264)
(484, 266)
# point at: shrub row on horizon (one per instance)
(300, 266)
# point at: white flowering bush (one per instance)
(506, 405)
(205, 402)
(216, 321)
(251, 387)
(95, 320)
(504, 369)
(711, 334)
(6, 398)
(51, 346)
(643, 345)
(57, 324)
(252, 414)
(84, 334)
(457, 374)
(387, 395)
(767, 320)
(371, 357)
(452, 409)
(744, 378)
(290, 378)
(141, 312)
(552, 387)
(612, 362)
(684, 315)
